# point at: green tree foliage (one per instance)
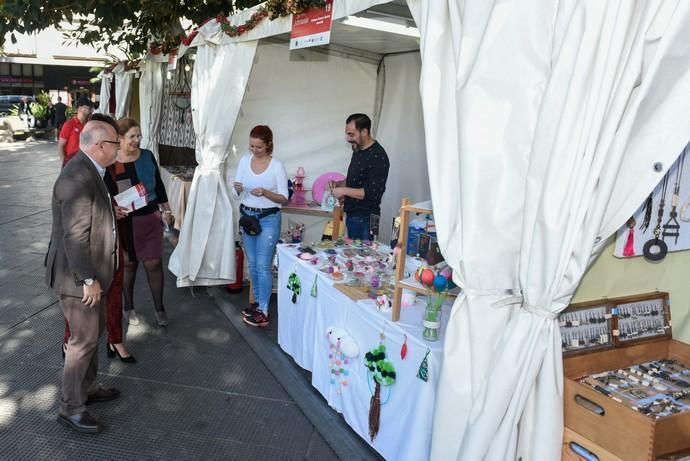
(129, 24)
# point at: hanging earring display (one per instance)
(382, 372)
(403, 349)
(423, 372)
(295, 285)
(314, 289)
(655, 249)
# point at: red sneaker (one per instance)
(258, 319)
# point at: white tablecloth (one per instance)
(178, 193)
(406, 415)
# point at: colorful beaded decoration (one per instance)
(338, 364)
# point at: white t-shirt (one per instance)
(274, 179)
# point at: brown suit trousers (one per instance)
(81, 359)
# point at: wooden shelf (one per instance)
(411, 284)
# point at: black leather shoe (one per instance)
(103, 394)
(82, 422)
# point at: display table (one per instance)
(407, 406)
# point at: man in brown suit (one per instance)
(80, 264)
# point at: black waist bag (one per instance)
(251, 225)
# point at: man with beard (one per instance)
(362, 190)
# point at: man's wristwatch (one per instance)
(88, 282)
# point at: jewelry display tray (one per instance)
(609, 427)
(614, 322)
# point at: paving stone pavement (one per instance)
(199, 391)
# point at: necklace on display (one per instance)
(655, 249)
(672, 226)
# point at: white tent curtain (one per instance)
(401, 133)
(205, 254)
(104, 98)
(150, 103)
(123, 90)
(543, 122)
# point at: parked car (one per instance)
(11, 100)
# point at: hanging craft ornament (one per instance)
(382, 372)
(648, 205)
(295, 285)
(423, 372)
(342, 348)
(655, 249)
(403, 349)
(629, 249)
(314, 288)
(672, 226)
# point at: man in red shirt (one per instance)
(68, 142)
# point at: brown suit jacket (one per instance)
(82, 242)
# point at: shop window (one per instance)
(27, 70)
(38, 70)
(16, 70)
(4, 68)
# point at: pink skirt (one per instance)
(147, 233)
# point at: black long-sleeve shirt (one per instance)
(369, 171)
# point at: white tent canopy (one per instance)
(305, 96)
(543, 124)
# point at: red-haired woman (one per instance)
(261, 184)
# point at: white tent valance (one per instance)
(543, 122)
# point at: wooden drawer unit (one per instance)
(578, 448)
(612, 425)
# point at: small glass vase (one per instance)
(432, 320)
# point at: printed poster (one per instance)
(312, 27)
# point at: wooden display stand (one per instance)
(613, 429)
(401, 282)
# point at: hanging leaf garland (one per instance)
(272, 9)
(382, 372)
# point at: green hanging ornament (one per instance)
(382, 372)
(295, 285)
(423, 372)
(313, 287)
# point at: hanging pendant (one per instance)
(629, 248)
(313, 287)
(423, 372)
(655, 249)
(403, 349)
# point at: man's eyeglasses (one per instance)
(113, 142)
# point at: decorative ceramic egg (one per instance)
(447, 272)
(440, 282)
(427, 277)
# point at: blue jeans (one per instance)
(259, 250)
(358, 227)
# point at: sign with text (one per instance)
(312, 27)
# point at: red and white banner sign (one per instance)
(312, 28)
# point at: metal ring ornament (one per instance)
(652, 244)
